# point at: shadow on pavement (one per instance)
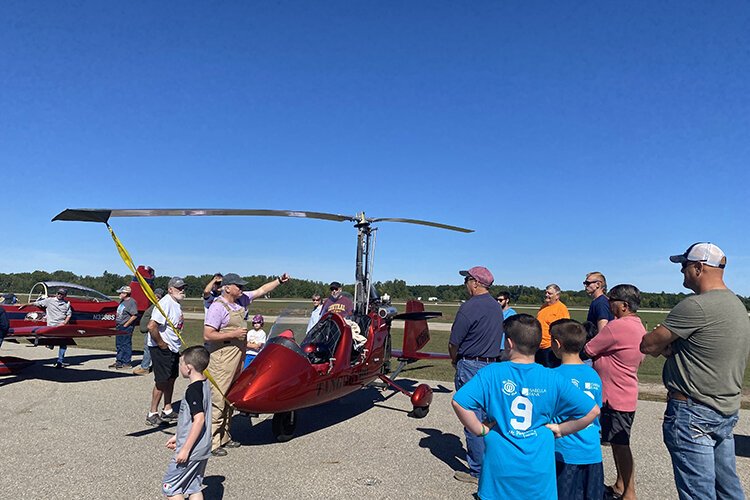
(313, 419)
(214, 489)
(45, 370)
(444, 446)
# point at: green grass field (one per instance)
(440, 370)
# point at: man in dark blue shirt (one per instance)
(595, 286)
(475, 340)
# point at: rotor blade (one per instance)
(424, 223)
(418, 315)
(83, 215)
(103, 215)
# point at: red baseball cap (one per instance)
(481, 274)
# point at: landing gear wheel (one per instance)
(283, 426)
(419, 412)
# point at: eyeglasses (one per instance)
(687, 263)
(502, 299)
(587, 283)
(316, 300)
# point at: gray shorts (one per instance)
(184, 479)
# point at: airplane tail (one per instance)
(136, 292)
(416, 331)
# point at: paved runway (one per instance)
(80, 433)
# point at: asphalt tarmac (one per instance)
(80, 433)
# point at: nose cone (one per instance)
(278, 380)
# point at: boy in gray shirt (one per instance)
(192, 439)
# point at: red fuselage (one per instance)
(284, 378)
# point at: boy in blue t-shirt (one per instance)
(580, 475)
(521, 399)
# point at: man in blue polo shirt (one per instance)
(474, 343)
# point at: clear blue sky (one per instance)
(572, 136)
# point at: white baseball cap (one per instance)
(708, 253)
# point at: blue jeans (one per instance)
(61, 353)
(248, 359)
(701, 443)
(465, 370)
(146, 361)
(124, 345)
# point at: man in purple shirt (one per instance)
(225, 336)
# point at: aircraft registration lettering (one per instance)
(329, 386)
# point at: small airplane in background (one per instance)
(92, 315)
(287, 376)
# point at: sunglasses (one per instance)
(587, 283)
(469, 278)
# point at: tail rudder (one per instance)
(416, 331)
(141, 301)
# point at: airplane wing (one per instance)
(62, 331)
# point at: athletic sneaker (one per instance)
(140, 371)
(153, 420)
(168, 417)
(465, 477)
(58, 365)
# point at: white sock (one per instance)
(150, 414)
(167, 412)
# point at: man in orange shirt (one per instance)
(551, 311)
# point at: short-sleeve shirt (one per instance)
(519, 458)
(57, 310)
(599, 309)
(616, 357)
(197, 400)
(548, 314)
(477, 330)
(583, 447)
(710, 355)
(257, 336)
(126, 309)
(217, 316)
(174, 313)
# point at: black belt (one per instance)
(478, 358)
(677, 395)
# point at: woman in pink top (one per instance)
(616, 354)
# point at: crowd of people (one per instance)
(536, 432)
(537, 396)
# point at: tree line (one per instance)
(108, 283)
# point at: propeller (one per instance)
(103, 215)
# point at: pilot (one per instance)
(338, 302)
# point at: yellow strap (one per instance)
(152, 298)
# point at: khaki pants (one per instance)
(224, 367)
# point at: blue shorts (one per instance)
(580, 482)
(184, 479)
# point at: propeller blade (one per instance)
(103, 215)
(424, 223)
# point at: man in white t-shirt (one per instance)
(164, 345)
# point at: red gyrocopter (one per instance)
(287, 376)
